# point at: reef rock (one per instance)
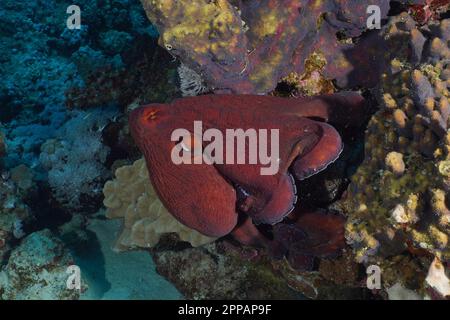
(221, 270)
(212, 272)
(76, 162)
(36, 270)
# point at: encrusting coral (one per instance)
(131, 196)
(248, 46)
(397, 201)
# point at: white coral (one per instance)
(437, 279)
(191, 83)
(75, 164)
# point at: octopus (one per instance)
(220, 198)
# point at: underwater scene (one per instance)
(225, 149)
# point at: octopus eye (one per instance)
(150, 115)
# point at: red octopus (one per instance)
(217, 199)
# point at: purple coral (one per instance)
(263, 41)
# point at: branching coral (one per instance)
(398, 199)
(248, 48)
(131, 196)
(75, 164)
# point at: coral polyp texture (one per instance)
(131, 196)
(397, 202)
(250, 46)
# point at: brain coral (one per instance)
(398, 200)
(131, 196)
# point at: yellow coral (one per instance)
(394, 161)
(188, 23)
(399, 195)
(131, 196)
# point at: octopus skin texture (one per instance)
(221, 198)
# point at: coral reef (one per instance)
(119, 61)
(397, 201)
(312, 82)
(333, 278)
(54, 161)
(66, 96)
(15, 185)
(249, 47)
(36, 270)
(22, 176)
(41, 59)
(210, 272)
(34, 77)
(13, 213)
(145, 73)
(75, 162)
(427, 10)
(2, 145)
(231, 272)
(131, 196)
